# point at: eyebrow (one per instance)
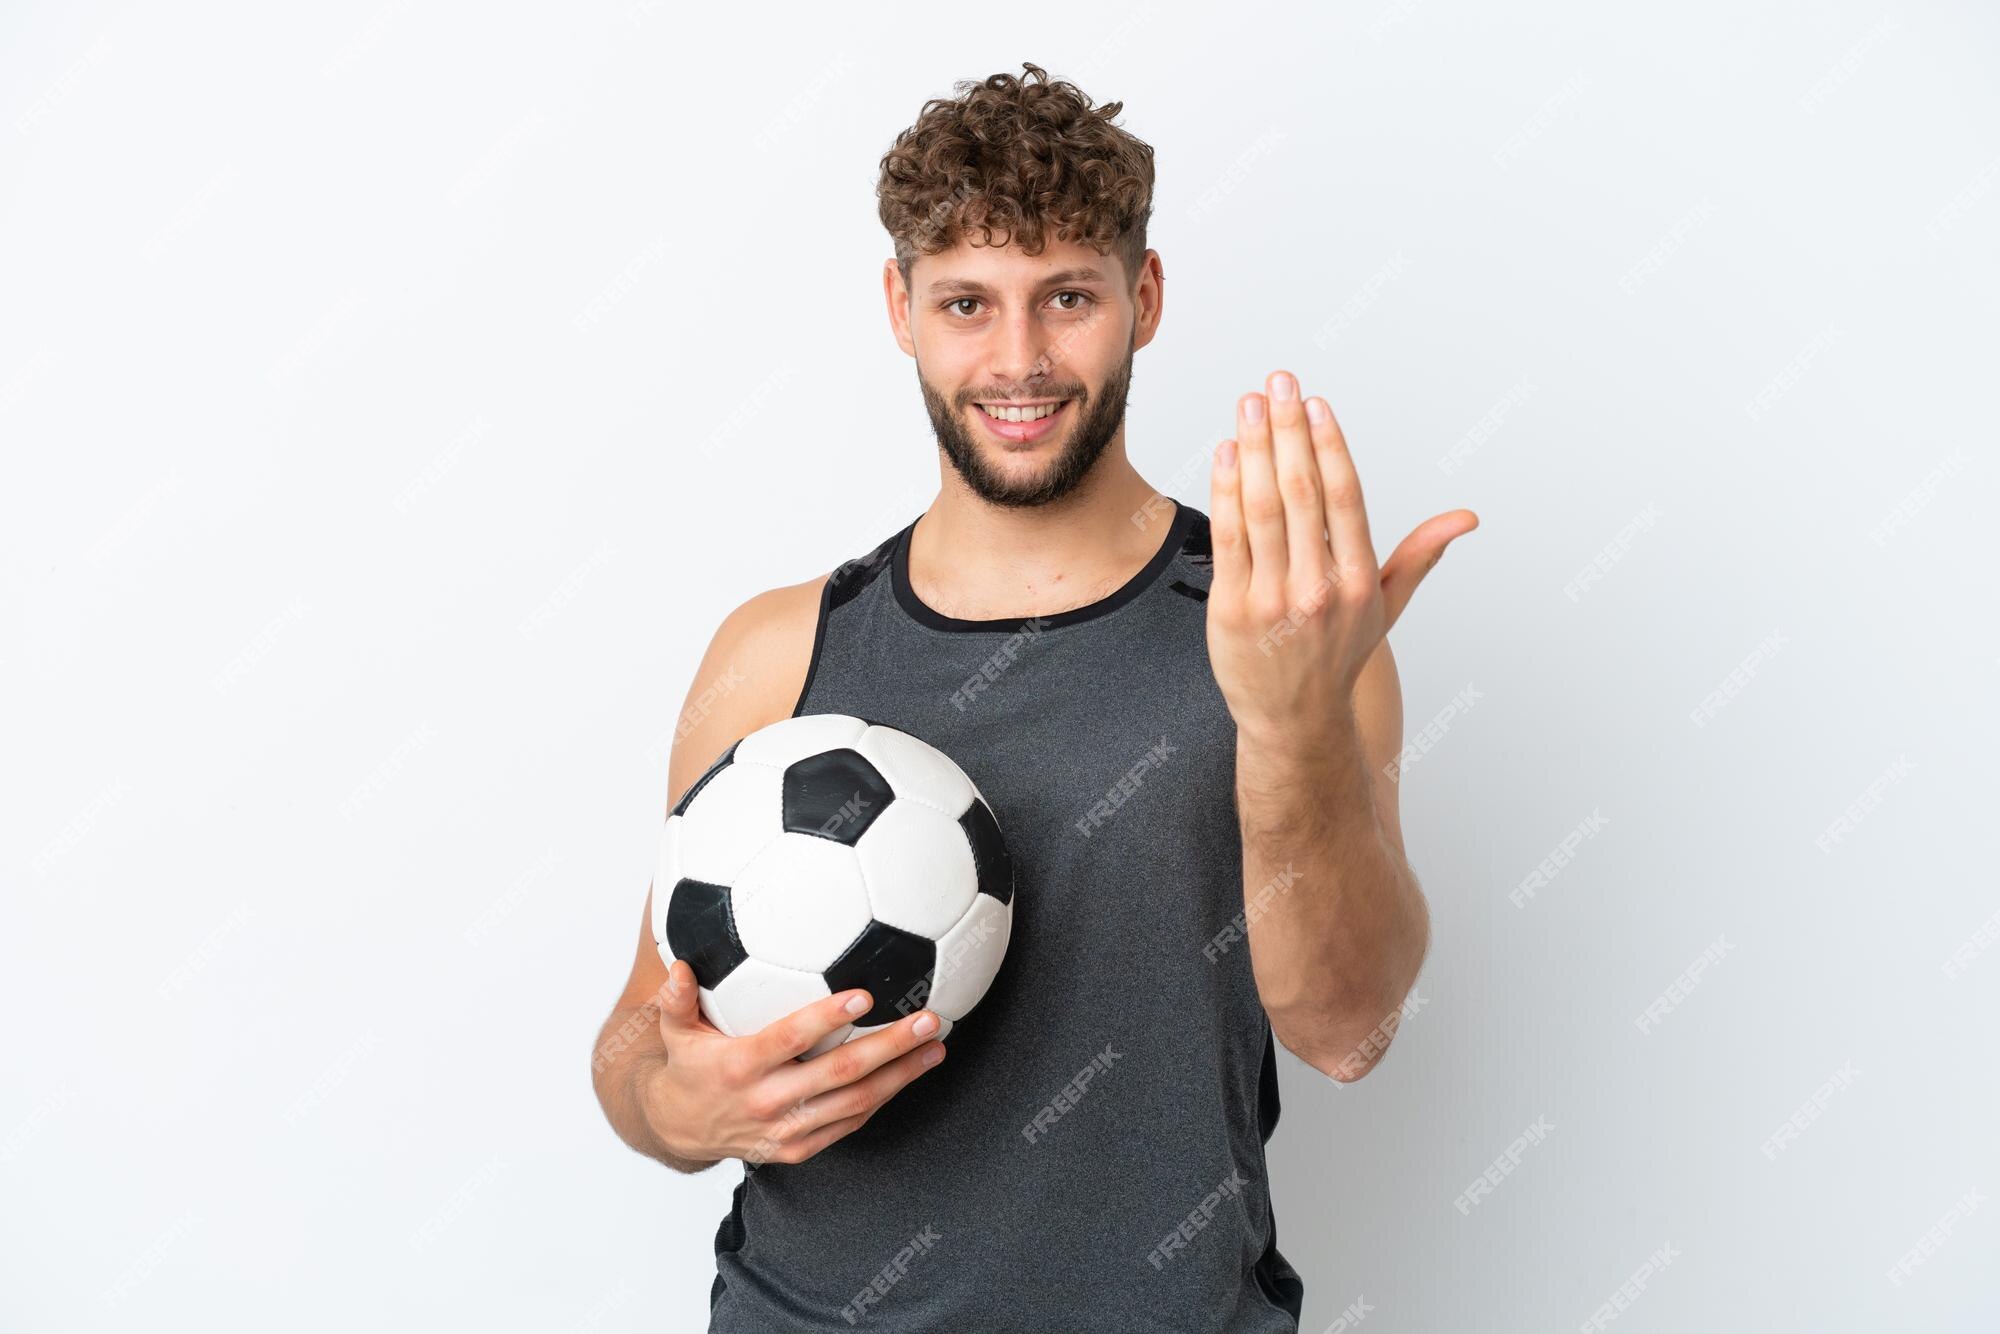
(1057, 279)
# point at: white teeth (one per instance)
(1009, 414)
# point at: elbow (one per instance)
(1344, 1050)
(1344, 1032)
(1347, 1038)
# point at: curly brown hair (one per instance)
(1021, 160)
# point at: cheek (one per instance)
(1093, 352)
(948, 364)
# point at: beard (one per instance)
(1098, 417)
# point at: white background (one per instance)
(394, 396)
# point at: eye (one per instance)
(1080, 296)
(953, 306)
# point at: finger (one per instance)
(857, 1101)
(783, 1040)
(680, 1005)
(1307, 553)
(855, 1059)
(1416, 554)
(1346, 518)
(1227, 540)
(1263, 508)
(798, 1150)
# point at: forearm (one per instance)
(1337, 945)
(629, 1053)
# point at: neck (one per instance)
(979, 561)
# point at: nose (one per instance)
(1022, 351)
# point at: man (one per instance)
(1111, 667)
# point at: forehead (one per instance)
(969, 266)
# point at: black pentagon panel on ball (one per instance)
(835, 794)
(680, 807)
(894, 966)
(702, 930)
(989, 851)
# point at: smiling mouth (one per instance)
(1020, 412)
(1020, 426)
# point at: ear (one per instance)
(897, 296)
(1149, 298)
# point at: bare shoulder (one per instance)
(751, 675)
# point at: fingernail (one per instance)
(1253, 408)
(1284, 387)
(1316, 409)
(925, 1026)
(858, 1005)
(1226, 454)
(932, 1057)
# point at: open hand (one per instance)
(1298, 603)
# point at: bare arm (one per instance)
(1335, 959)
(631, 1052)
(672, 1085)
(1298, 618)
(751, 675)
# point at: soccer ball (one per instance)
(825, 852)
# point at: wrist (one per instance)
(649, 1090)
(647, 1094)
(1327, 743)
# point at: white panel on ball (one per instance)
(969, 955)
(918, 868)
(756, 993)
(711, 1013)
(731, 820)
(799, 902)
(789, 740)
(917, 770)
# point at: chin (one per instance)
(1033, 456)
(1024, 466)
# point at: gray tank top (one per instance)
(1090, 1156)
